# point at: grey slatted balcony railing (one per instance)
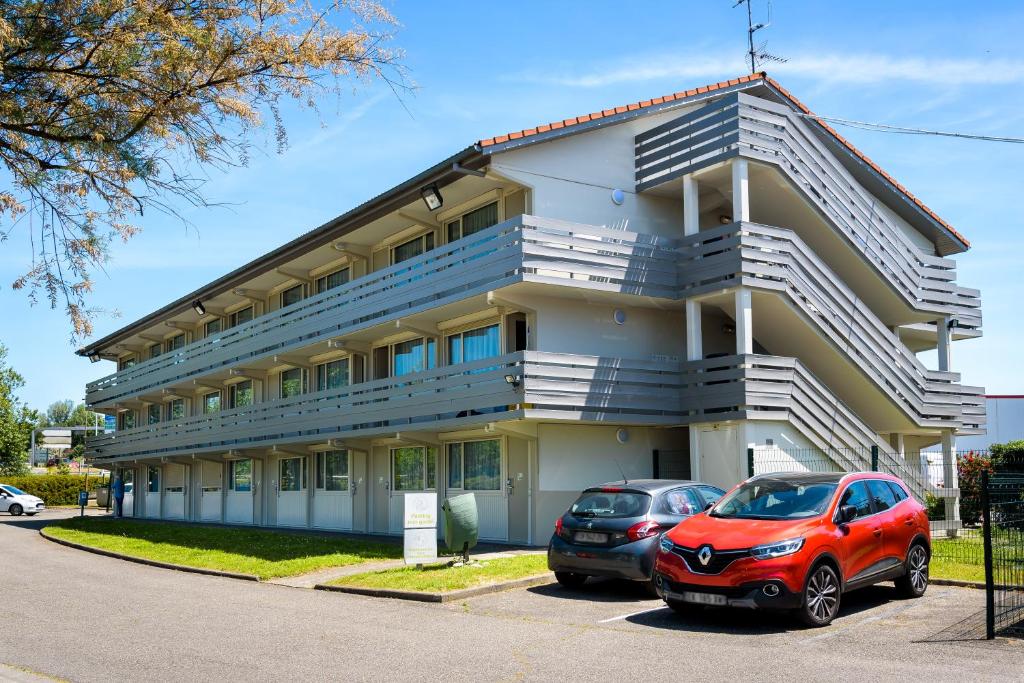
(541, 250)
(742, 125)
(776, 260)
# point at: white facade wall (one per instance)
(1005, 423)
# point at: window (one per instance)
(483, 342)
(898, 491)
(153, 480)
(474, 221)
(414, 469)
(775, 499)
(174, 343)
(611, 504)
(412, 248)
(213, 327)
(241, 316)
(332, 280)
(153, 414)
(293, 474)
(333, 375)
(241, 394)
(710, 493)
(881, 494)
(127, 419)
(154, 351)
(211, 402)
(176, 409)
(381, 366)
(409, 357)
(681, 502)
(292, 295)
(857, 496)
(127, 362)
(475, 465)
(240, 475)
(291, 382)
(332, 471)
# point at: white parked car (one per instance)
(16, 501)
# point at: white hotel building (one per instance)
(648, 290)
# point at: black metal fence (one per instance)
(1002, 493)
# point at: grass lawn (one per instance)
(440, 578)
(942, 568)
(267, 554)
(960, 558)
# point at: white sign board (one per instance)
(56, 438)
(420, 516)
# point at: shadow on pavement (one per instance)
(757, 622)
(597, 590)
(28, 523)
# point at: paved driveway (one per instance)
(85, 617)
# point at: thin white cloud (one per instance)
(831, 68)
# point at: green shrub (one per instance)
(936, 507)
(1007, 457)
(54, 489)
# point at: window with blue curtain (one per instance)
(471, 345)
(408, 357)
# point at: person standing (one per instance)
(118, 490)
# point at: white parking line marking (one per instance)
(632, 614)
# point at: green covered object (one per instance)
(461, 523)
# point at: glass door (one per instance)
(413, 469)
(292, 488)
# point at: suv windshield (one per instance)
(775, 499)
(611, 504)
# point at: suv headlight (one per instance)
(666, 544)
(778, 549)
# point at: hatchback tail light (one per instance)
(643, 530)
(559, 531)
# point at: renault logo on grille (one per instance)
(704, 555)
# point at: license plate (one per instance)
(704, 598)
(591, 537)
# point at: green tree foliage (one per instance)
(16, 420)
(112, 107)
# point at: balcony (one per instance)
(762, 131)
(522, 249)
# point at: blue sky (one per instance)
(483, 69)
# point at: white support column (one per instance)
(950, 482)
(740, 190)
(691, 206)
(945, 352)
(694, 332)
(744, 322)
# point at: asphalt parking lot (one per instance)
(84, 617)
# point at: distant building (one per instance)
(1005, 423)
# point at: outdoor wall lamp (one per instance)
(953, 322)
(513, 380)
(198, 307)
(432, 197)
(94, 357)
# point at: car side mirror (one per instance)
(847, 514)
(708, 506)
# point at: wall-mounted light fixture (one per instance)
(94, 357)
(198, 307)
(432, 197)
(622, 435)
(619, 316)
(618, 197)
(513, 380)
(953, 322)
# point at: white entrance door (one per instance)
(213, 487)
(720, 457)
(241, 493)
(152, 491)
(478, 467)
(174, 492)
(332, 494)
(292, 490)
(413, 469)
(128, 506)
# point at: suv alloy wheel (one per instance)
(914, 583)
(821, 597)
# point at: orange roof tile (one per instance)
(704, 89)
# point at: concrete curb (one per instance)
(151, 563)
(450, 596)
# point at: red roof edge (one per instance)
(704, 89)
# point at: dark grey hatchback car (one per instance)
(612, 530)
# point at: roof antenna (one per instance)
(758, 56)
(624, 480)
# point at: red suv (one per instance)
(797, 541)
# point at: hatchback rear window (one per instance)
(611, 504)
